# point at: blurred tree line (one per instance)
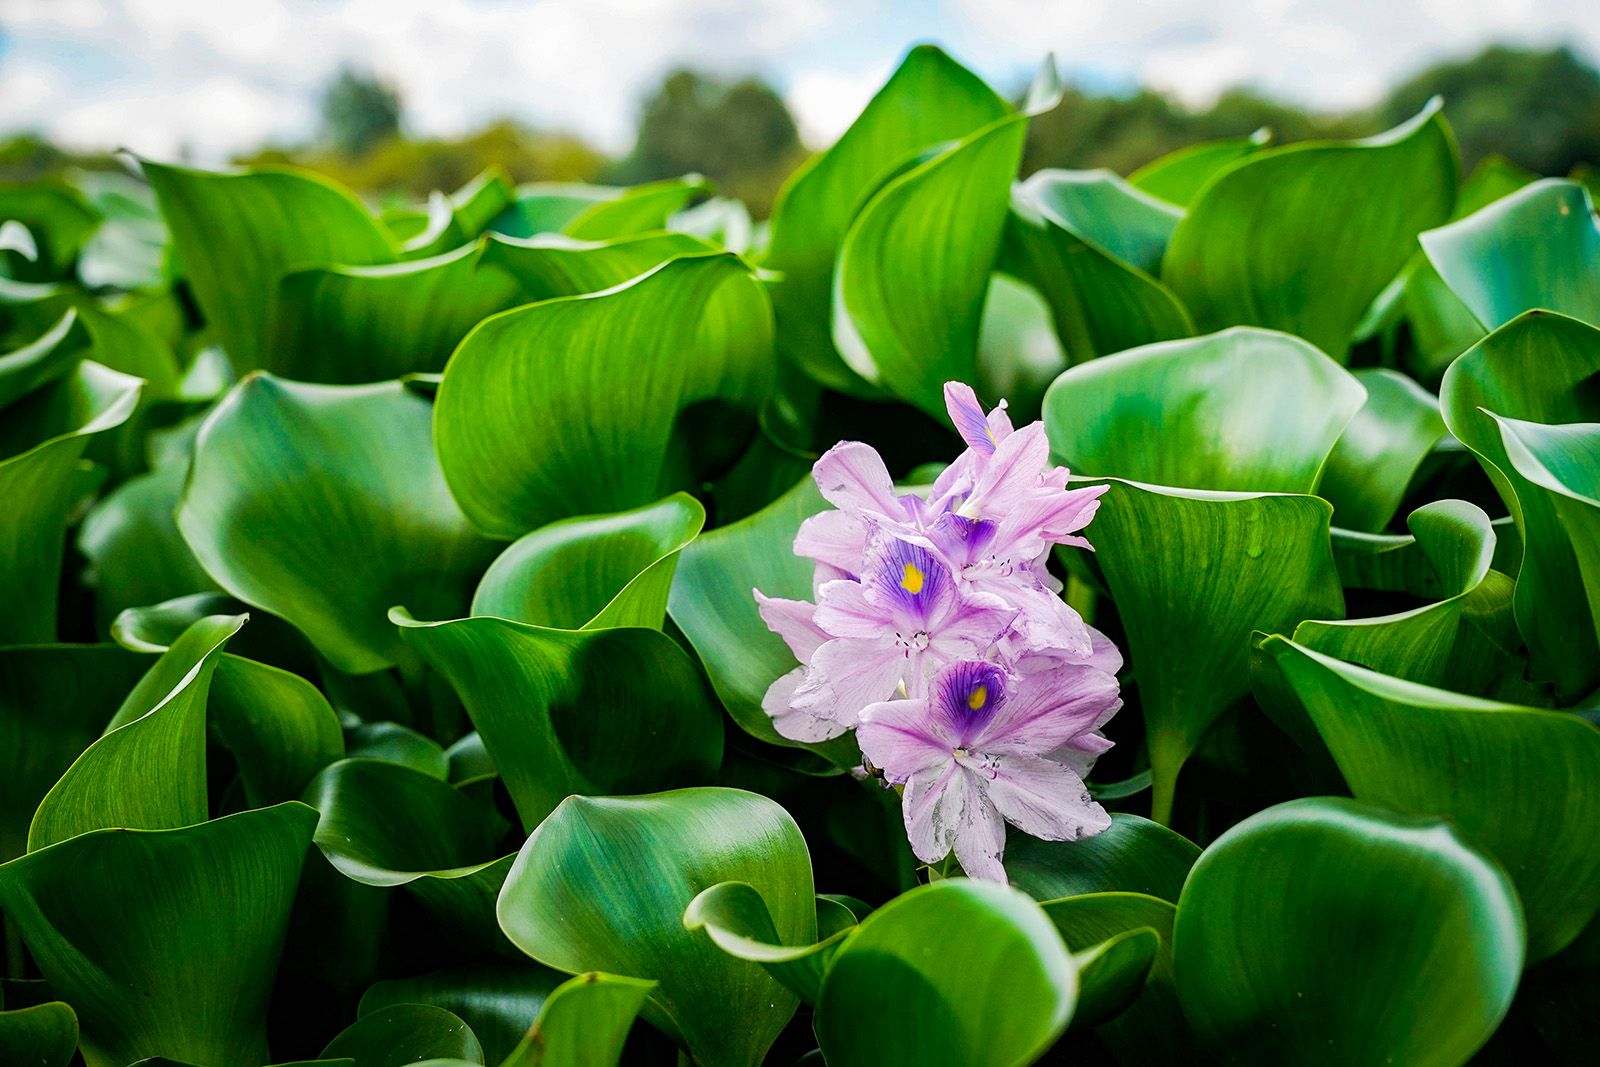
(1539, 109)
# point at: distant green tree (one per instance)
(1539, 109)
(359, 112)
(738, 133)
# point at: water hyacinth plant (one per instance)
(546, 625)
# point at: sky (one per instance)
(210, 78)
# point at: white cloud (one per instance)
(825, 102)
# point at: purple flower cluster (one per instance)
(941, 639)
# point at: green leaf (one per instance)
(929, 100)
(1178, 177)
(45, 1035)
(594, 571)
(1537, 368)
(128, 250)
(566, 712)
(956, 972)
(325, 506)
(584, 1023)
(628, 212)
(1143, 1023)
(499, 1000)
(279, 727)
(603, 883)
(1065, 236)
(552, 265)
(531, 428)
(40, 361)
(1135, 855)
(165, 942)
(238, 233)
(1380, 450)
(1302, 238)
(909, 332)
(58, 217)
(42, 438)
(148, 771)
(736, 918)
(405, 1034)
(1245, 410)
(1193, 573)
(1418, 749)
(346, 325)
(1304, 926)
(1536, 248)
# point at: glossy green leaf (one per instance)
(1066, 236)
(48, 357)
(1380, 450)
(591, 572)
(1178, 177)
(910, 332)
(735, 917)
(956, 972)
(1302, 238)
(279, 727)
(584, 1023)
(929, 100)
(1127, 987)
(325, 506)
(552, 265)
(531, 428)
(58, 217)
(1134, 856)
(44, 1035)
(1303, 927)
(1419, 749)
(627, 212)
(405, 1034)
(42, 439)
(1538, 368)
(238, 233)
(1537, 248)
(566, 712)
(500, 999)
(128, 250)
(603, 884)
(165, 941)
(161, 724)
(347, 325)
(1245, 410)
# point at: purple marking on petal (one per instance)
(907, 578)
(966, 695)
(967, 415)
(961, 540)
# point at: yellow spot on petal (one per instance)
(911, 580)
(979, 697)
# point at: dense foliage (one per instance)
(381, 678)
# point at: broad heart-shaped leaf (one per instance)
(1134, 856)
(603, 884)
(279, 727)
(1245, 410)
(584, 1023)
(735, 917)
(929, 100)
(325, 505)
(54, 701)
(553, 265)
(165, 942)
(1537, 248)
(1302, 238)
(499, 999)
(532, 426)
(1303, 927)
(405, 1034)
(1539, 367)
(44, 1035)
(1428, 751)
(1066, 236)
(1380, 450)
(956, 972)
(1564, 461)
(565, 712)
(149, 769)
(1178, 177)
(594, 571)
(1193, 573)
(1151, 1029)
(42, 438)
(909, 332)
(712, 603)
(237, 234)
(347, 325)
